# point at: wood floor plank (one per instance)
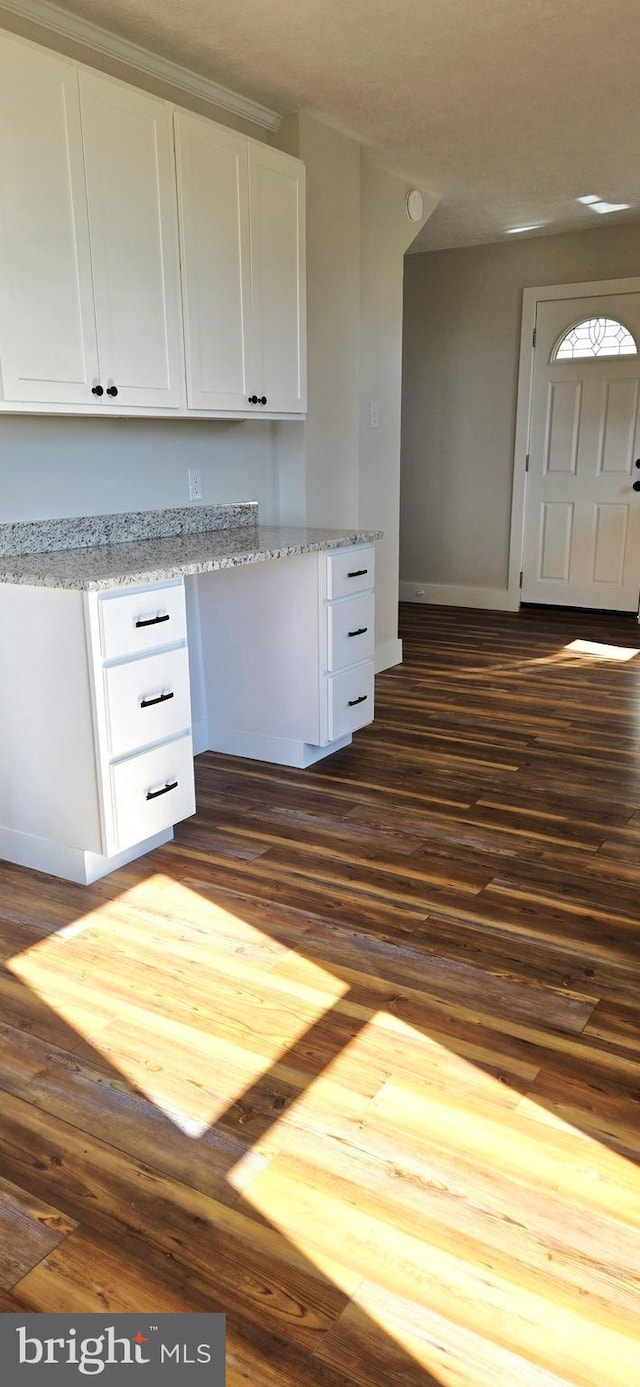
(354, 1057)
(29, 1228)
(421, 1348)
(460, 1286)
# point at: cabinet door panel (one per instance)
(213, 200)
(133, 227)
(47, 323)
(276, 186)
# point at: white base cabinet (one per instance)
(96, 761)
(288, 668)
(96, 754)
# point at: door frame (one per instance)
(530, 300)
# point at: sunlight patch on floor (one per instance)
(179, 995)
(432, 1193)
(600, 651)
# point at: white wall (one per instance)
(51, 466)
(328, 442)
(462, 313)
(357, 235)
(385, 234)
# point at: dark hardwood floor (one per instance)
(355, 1058)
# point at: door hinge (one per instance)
(521, 577)
(526, 463)
(535, 333)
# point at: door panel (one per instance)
(277, 265)
(611, 524)
(213, 193)
(47, 320)
(582, 516)
(561, 453)
(556, 529)
(134, 245)
(619, 426)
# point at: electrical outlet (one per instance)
(373, 414)
(195, 484)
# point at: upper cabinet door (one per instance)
(134, 243)
(213, 199)
(47, 324)
(277, 205)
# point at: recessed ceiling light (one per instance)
(598, 204)
(609, 206)
(516, 230)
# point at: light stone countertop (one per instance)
(129, 562)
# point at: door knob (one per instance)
(262, 400)
(112, 390)
(636, 486)
(253, 399)
(97, 390)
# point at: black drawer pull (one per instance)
(352, 701)
(358, 573)
(153, 794)
(161, 698)
(153, 620)
(361, 631)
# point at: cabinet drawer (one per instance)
(152, 791)
(350, 700)
(147, 700)
(350, 631)
(350, 571)
(133, 622)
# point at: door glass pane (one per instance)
(595, 337)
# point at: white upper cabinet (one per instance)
(277, 193)
(213, 198)
(128, 145)
(242, 239)
(48, 351)
(119, 293)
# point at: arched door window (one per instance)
(595, 337)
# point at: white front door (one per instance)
(582, 515)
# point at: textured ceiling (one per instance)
(508, 109)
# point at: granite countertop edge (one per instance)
(136, 562)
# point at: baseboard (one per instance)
(387, 654)
(281, 751)
(458, 595)
(73, 864)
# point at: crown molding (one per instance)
(84, 31)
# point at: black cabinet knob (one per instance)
(112, 390)
(262, 400)
(97, 390)
(636, 486)
(253, 399)
(637, 462)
